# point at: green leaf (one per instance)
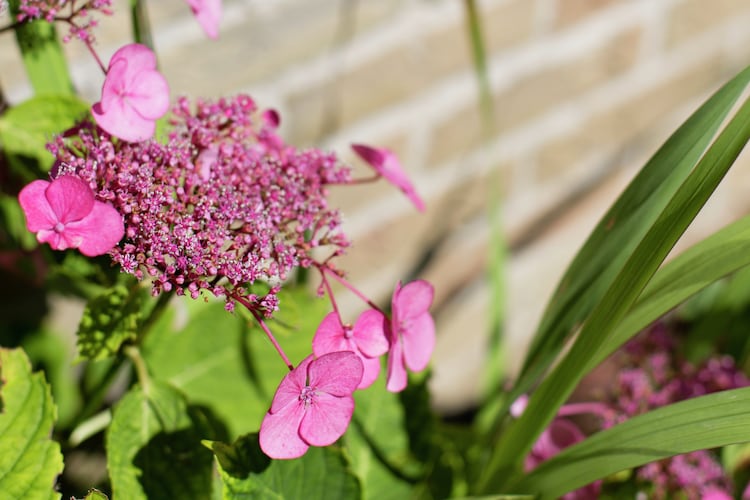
(217, 359)
(625, 224)
(29, 460)
(705, 422)
(722, 253)
(154, 446)
(108, 321)
(246, 473)
(27, 128)
(620, 296)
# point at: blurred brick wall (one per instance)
(583, 92)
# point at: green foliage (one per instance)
(108, 321)
(705, 422)
(216, 359)
(154, 445)
(246, 473)
(29, 460)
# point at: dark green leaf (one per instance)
(154, 446)
(322, 473)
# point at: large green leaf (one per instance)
(154, 446)
(246, 473)
(25, 129)
(216, 359)
(722, 253)
(619, 297)
(615, 237)
(29, 460)
(710, 421)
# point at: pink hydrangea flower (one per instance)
(412, 332)
(134, 95)
(366, 339)
(208, 15)
(387, 165)
(312, 406)
(65, 214)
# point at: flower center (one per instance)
(348, 331)
(307, 396)
(59, 227)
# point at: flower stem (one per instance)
(259, 318)
(141, 25)
(141, 370)
(325, 269)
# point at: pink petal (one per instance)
(559, 435)
(138, 56)
(386, 164)
(122, 121)
(149, 95)
(291, 386)
(271, 118)
(208, 15)
(36, 208)
(337, 373)
(99, 232)
(326, 419)
(369, 333)
(419, 342)
(329, 337)
(370, 373)
(56, 240)
(115, 85)
(412, 300)
(397, 378)
(279, 433)
(70, 198)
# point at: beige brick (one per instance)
(689, 18)
(569, 12)
(535, 94)
(404, 71)
(628, 121)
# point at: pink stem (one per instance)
(265, 328)
(330, 296)
(325, 269)
(578, 408)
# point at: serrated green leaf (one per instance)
(619, 297)
(29, 460)
(322, 473)
(108, 321)
(705, 422)
(217, 360)
(25, 129)
(154, 446)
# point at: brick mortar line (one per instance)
(552, 125)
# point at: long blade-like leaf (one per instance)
(619, 298)
(719, 255)
(700, 423)
(603, 255)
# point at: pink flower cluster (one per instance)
(224, 205)
(77, 14)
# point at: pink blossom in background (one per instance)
(134, 95)
(366, 339)
(312, 406)
(65, 214)
(387, 165)
(412, 332)
(208, 15)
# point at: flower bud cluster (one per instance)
(222, 205)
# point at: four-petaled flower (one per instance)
(366, 339)
(134, 95)
(386, 164)
(412, 332)
(65, 214)
(312, 406)
(208, 15)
